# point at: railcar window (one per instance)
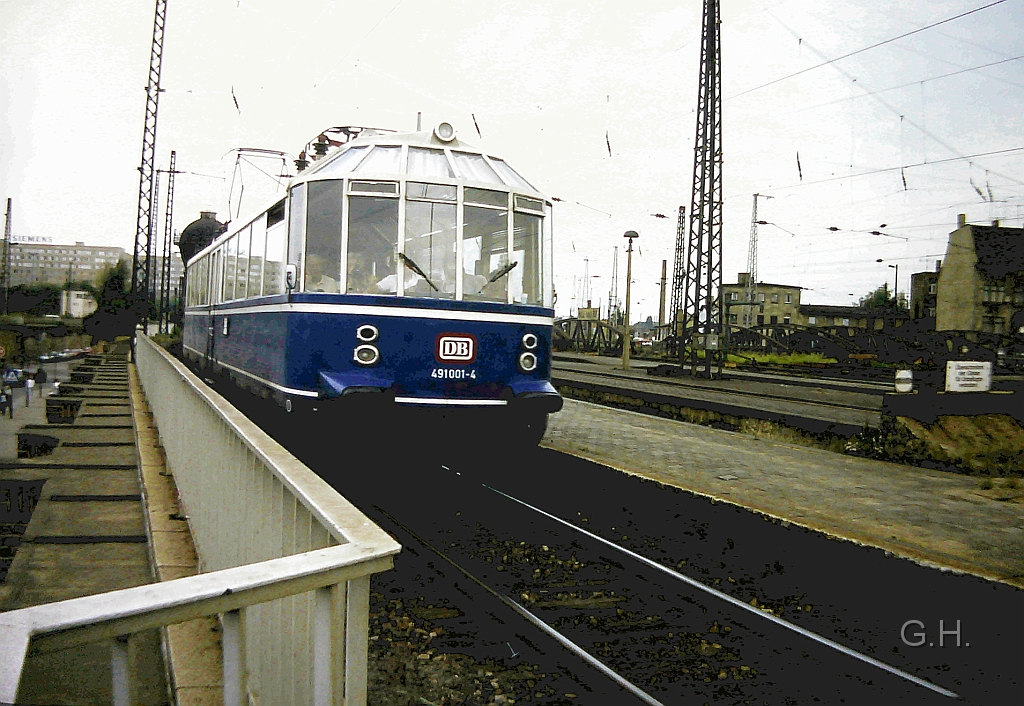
(197, 279)
(345, 162)
(372, 245)
(204, 282)
(433, 192)
(528, 204)
(230, 251)
(273, 266)
(296, 228)
(385, 160)
(323, 236)
(430, 246)
(525, 279)
(484, 254)
(256, 253)
(242, 268)
(276, 214)
(373, 187)
(474, 168)
(510, 175)
(217, 275)
(486, 197)
(429, 163)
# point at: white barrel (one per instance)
(904, 381)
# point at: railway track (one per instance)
(813, 403)
(546, 579)
(644, 625)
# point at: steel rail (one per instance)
(820, 639)
(537, 622)
(718, 391)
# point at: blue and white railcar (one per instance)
(411, 265)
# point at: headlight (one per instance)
(366, 355)
(527, 362)
(530, 341)
(367, 333)
(445, 132)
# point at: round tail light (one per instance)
(367, 333)
(530, 341)
(527, 362)
(366, 355)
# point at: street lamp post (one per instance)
(896, 283)
(626, 337)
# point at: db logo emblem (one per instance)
(456, 348)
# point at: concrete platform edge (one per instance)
(932, 560)
(192, 650)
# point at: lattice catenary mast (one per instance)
(141, 293)
(750, 291)
(678, 274)
(702, 311)
(165, 273)
(5, 264)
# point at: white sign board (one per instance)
(968, 376)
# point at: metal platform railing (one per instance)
(286, 561)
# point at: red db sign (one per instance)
(456, 348)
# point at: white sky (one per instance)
(545, 81)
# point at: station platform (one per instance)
(936, 518)
(75, 516)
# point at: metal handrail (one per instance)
(266, 528)
(79, 621)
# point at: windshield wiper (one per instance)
(411, 264)
(499, 274)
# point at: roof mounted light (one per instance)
(445, 132)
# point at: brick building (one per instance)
(981, 284)
(773, 303)
(924, 287)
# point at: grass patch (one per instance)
(787, 359)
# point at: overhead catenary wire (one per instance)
(907, 85)
(883, 170)
(896, 111)
(864, 49)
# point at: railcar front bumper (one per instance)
(522, 396)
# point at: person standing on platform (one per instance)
(29, 384)
(6, 400)
(40, 378)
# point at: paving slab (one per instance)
(97, 435)
(79, 543)
(96, 481)
(933, 517)
(92, 456)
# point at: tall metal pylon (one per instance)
(678, 275)
(703, 310)
(750, 291)
(613, 293)
(5, 264)
(165, 273)
(141, 293)
(154, 231)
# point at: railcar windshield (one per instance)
(323, 236)
(372, 245)
(448, 225)
(484, 254)
(430, 248)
